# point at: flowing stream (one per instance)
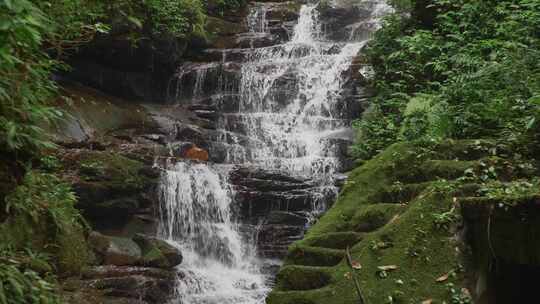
(291, 120)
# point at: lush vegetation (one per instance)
(35, 36)
(454, 69)
(23, 281)
(38, 217)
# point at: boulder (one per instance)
(115, 250)
(158, 253)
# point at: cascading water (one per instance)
(291, 114)
(196, 215)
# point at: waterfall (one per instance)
(291, 119)
(195, 215)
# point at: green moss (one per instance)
(399, 193)
(313, 256)
(112, 167)
(366, 182)
(334, 240)
(403, 235)
(372, 217)
(295, 277)
(447, 169)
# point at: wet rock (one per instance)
(111, 271)
(285, 88)
(119, 207)
(336, 17)
(256, 203)
(211, 115)
(256, 40)
(158, 253)
(155, 137)
(150, 171)
(136, 287)
(203, 106)
(286, 218)
(222, 32)
(273, 240)
(115, 250)
(192, 134)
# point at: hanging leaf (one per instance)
(443, 278)
(136, 21)
(388, 267)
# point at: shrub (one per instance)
(475, 69)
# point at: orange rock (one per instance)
(196, 153)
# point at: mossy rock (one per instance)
(111, 167)
(372, 217)
(334, 240)
(115, 250)
(158, 253)
(506, 228)
(447, 169)
(294, 277)
(404, 235)
(313, 256)
(109, 184)
(399, 193)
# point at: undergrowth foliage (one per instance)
(19, 286)
(44, 194)
(36, 36)
(473, 71)
(25, 82)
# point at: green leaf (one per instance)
(135, 21)
(5, 24)
(535, 100)
(531, 123)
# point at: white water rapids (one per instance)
(292, 135)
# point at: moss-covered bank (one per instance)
(399, 214)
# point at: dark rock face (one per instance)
(122, 277)
(121, 284)
(275, 204)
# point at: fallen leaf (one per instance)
(442, 278)
(388, 267)
(356, 265)
(348, 275)
(428, 301)
(465, 292)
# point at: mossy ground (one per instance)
(387, 214)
